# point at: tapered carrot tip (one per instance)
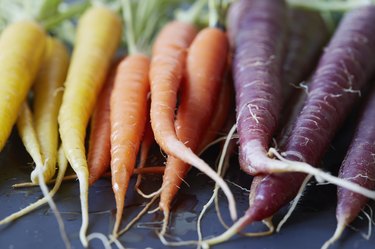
(341, 223)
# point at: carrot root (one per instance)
(234, 229)
(101, 237)
(191, 158)
(146, 170)
(83, 175)
(285, 165)
(338, 232)
(60, 175)
(221, 171)
(139, 215)
(53, 206)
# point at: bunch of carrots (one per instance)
(182, 82)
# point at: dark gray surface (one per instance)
(311, 224)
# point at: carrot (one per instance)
(342, 70)
(99, 149)
(128, 110)
(128, 118)
(359, 167)
(307, 36)
(167, 65)
(225, 101)
(147, 142)
(26, 130)
(90, 61)
(253, 144)
(47, 102)
(21, 51)
(257, 65)
(206, 64)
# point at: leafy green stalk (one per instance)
(193, 13)
(72, 10)
(143, 19)
(48, 8)
(128, 18)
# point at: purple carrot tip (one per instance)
(341, 224)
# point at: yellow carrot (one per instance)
(46, 105)
(25, 127)
(97, 38)
(21, 51)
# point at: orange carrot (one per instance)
(147, 141)
(128, 118)
(167, 67)
(225, 101)
(206, 64)
(99, 149)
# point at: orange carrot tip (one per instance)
(99, 151)
(92, 54)
(128, 118)
(129, 99)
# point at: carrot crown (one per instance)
(217, 13)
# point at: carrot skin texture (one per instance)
(206, 62)
(90, 61)
(47, 102)
(147, 140)
(257, 63)
(128, 118)
(99, 150)
(319, 119)
(22, 46)
(234, 16)
(342, 70)
(307, 34)
(169, 57)
(358, 165)
(306, 37)
(225, 101)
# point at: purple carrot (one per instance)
(342, 71)
(259, 45)
(359, 167)
(234, 17)
(307, 36)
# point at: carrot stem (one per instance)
(73, 10)
(128, 17)
(192, 14)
